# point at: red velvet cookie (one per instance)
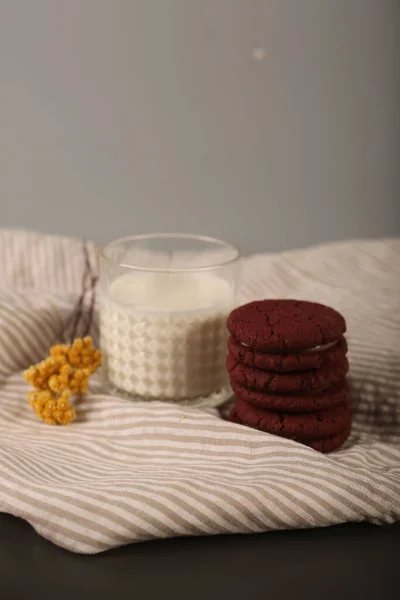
(325, 444)
(301, 381)
(304, 426)
(285, 325)
(297, 361)
(329, 443)
(328, 398)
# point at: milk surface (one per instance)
(163, 334)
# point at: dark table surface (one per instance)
(357, 561)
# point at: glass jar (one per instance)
(165, 299)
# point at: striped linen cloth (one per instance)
(126, 472)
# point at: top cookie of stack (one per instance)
(289, 356)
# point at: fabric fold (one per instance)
(126, 472)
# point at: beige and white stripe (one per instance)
(127, 472)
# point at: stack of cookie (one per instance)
(287, 366)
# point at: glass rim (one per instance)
(188, 236)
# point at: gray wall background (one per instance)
(127, 116)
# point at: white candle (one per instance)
(163, 335)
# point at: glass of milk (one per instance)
(165, 299)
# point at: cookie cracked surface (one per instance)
(285, 325)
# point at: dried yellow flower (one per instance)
(64, 373)
(81, 354)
